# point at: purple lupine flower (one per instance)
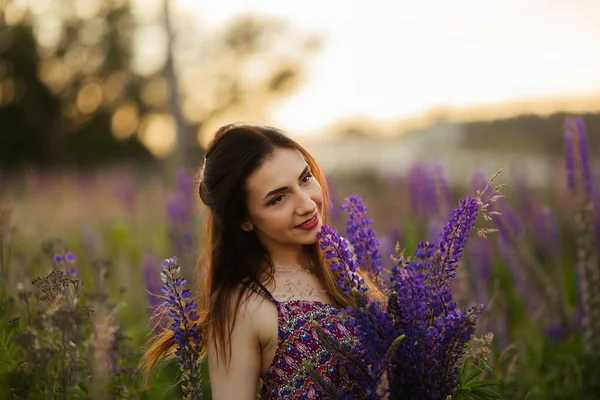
(152, 282)
(442, 191)
(577, 157)
(547, 234)
(186, 332)
(362, 237)
(375, 331)
(341, 258)
(180, 209)
(513, 227)
(581, 183)
(410, 308)
(481, 259)
(66, 258)
(70, 257)
(570, 159)
(420, 185)
(523, 193)
(429, 190)
(426, 363)
(516, 268)
(451, 245)
(555, 333)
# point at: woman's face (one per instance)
(284, 201)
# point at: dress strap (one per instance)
(261, 289)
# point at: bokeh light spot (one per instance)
(158, 133)
(125, 121)
(89, 98)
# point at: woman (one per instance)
(264, 277)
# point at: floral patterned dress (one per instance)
(286, 378)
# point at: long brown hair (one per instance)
(229, 255)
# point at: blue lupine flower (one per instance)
(525, 205)
(362, 237)
(576, 156)
(180, 212)
(569, 160)
(70, 257)
(429, 190)
(66, 257)
(420, 185)
(186, 334)
(441, 189)
(547, 234)
(581, 183)
(341, 258)
(481, 258)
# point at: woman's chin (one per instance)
(310, 239)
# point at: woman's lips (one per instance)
(310, 224)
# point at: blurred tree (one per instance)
(28, 110)
(238, 73)
(61, 77)
(70, 93)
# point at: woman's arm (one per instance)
(237, 378)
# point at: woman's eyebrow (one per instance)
(282, 189)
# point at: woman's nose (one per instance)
(306, 204)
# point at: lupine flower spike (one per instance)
(186, 332)
(362, 237)
(580, 182)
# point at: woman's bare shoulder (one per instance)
(247, 302)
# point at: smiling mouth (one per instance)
(307, 222)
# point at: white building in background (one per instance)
(356, 151)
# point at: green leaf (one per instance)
(474, 374)
(9, 352)
(480, 393)
(484, 382)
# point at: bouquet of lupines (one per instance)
(187, 336)
(413, 345)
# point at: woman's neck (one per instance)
(291, 257)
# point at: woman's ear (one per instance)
(247, 226)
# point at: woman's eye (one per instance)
(277, 199)
(306, 178)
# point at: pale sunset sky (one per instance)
(388, 60)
